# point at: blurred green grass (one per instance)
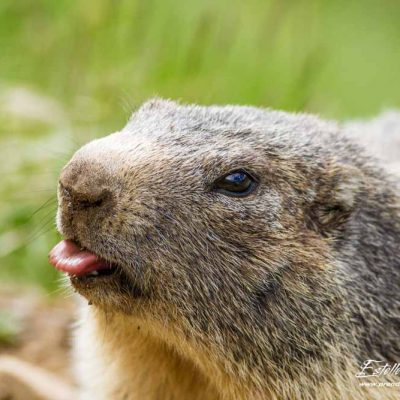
(73, 71)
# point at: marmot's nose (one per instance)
(82, 200)
(83, 186)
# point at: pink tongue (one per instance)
(66, 256)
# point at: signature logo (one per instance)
(378, 368)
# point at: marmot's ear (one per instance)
(336, 198)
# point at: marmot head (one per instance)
(219, 219)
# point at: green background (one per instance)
(74, 70)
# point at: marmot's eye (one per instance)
(237, 183)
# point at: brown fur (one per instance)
(279, 295)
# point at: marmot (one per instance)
(230, 252)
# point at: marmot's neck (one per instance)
(132, 358)
(127, 363)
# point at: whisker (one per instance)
(47, 202)
(39, 234)
(63, 290)
(44, 220)
(42, 231)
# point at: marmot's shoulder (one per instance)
(380, 136)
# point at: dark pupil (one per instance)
(236, 182)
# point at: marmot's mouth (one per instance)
(68, 256)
